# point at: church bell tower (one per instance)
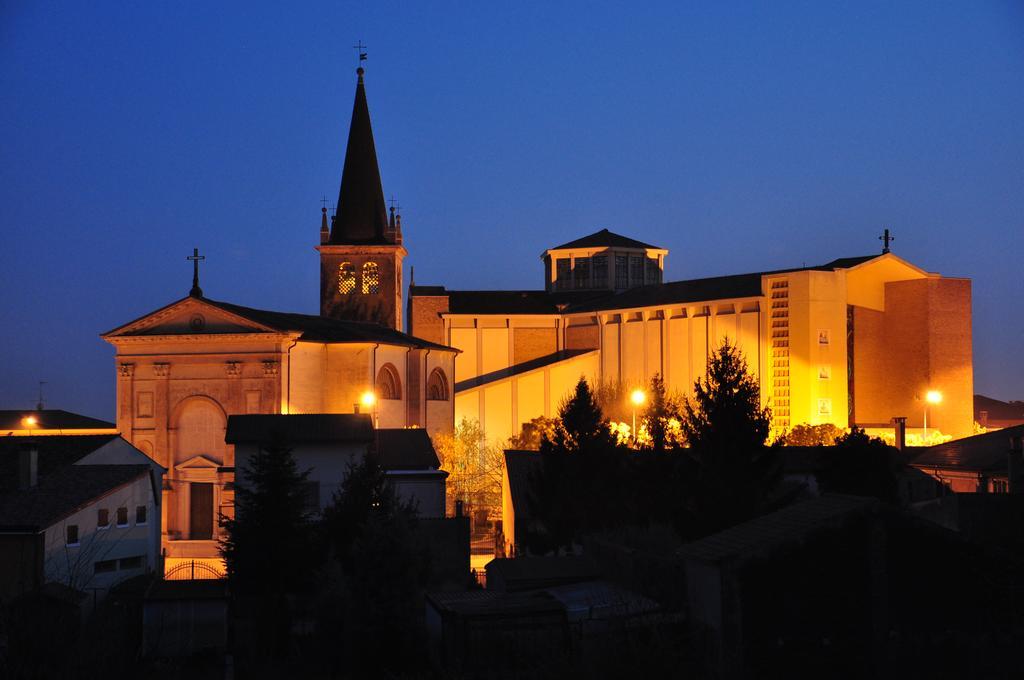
(361, 253)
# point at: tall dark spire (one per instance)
(360, 217)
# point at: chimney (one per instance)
(28, 466)
(1015, 465)
(900, 423)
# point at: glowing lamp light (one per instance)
(368, 399)
(933, 397)
(29, 421)
(638, 397)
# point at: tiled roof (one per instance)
(52, 419)
(62, 492)
(54, 453)
(980, 453)
(604, 239)
(533, 364)
(788, 525)
(569, 302)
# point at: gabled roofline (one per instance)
(162, 312)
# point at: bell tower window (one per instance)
(371, 278)
(346, 278)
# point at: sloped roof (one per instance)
(313, 328)
(397, 448)
(62, 492)
(997, 410)
(52, 419)
(605, 239)
(531, 573)
(785, 526)
(406, 449)
(360, 217)
(979, 453)
(669, 293)
(54, 453)
(531, 365)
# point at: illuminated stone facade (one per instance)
(855, 341)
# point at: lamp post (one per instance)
(638, 398)
(369, 400)
(29, 422)
(930, 397)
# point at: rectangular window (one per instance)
(653, 271)
(582, 272)
(103, 518)
(562, 272)
(72, 534)
(824, 373)
(600, 271)
(621, 272)
(104, 566)
(824, 407)
(636, 270)
(140, 514)
(130, 562)
(823, 336)
(122, 517)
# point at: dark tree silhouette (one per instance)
(661, 408)
(269, 549)
(375, 572)
(582, 477)
(862, 466)
(726, 428)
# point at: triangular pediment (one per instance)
(199, 462)
(190, 316)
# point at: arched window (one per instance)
(388, 384)
(437, 386)
(371, 278)
(346, 278)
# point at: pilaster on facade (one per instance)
(233, 369)
(126, 370)
(162, 369)
(271, 367)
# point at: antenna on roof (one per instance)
(40, 405)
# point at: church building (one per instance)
(184, 368)
(855, 341)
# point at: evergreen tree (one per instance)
(268, 547)
(376, 570)
(580, 485)
(661, 410)
(726, 428)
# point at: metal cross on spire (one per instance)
(362, 50)
(395, 206)
(195, 257)
(886, 238)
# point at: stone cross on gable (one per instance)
(195, 257)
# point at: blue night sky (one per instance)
(741, 136)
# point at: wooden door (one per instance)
(201, 511)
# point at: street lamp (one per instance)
(638, 398)
(930, 397)
(28, 422)
(369, 400)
